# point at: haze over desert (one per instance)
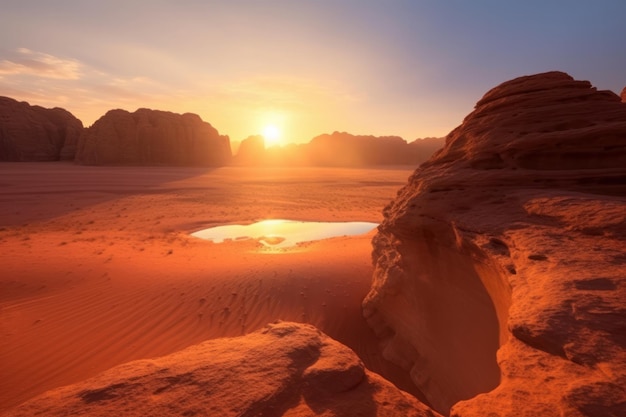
(295, 209)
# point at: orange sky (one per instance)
(407, 68)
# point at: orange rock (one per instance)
(251, 151)
(499, 269)
(284, 369)
(33, 133)
(345, 149)
(339, 149)
(152, 137)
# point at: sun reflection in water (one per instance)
(279, 233)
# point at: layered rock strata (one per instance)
(34, 133)
(500, 279)
(152, 137)
(284, 369)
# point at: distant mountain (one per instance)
(423, 149)
(340, 149)
(344, 149)
(250, 151)
(34, 133)
(152, 137)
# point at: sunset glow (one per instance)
(284, 233)
(272, 135)
(307, 208)
(417, 75)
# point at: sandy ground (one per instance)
(97, 267)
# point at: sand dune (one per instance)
(98, 268)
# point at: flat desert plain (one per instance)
(98, 268)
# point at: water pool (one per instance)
(279, 233)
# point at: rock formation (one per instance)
(624, 95)
(341, 149)
(344, 149)
(499, 277)
(33, 133)
(421, 150)
(285, 369)
(152, 137)
(251, 151)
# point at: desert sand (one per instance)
(98, 267)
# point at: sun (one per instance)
(271, 134)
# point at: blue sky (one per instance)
(396, 67)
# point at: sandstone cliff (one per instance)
(422, 149)
(152, 137)
(33, 133)
(500, 267)
(624, 95)
(344, 149)
(251, 151)
(285, 369)
(341, 149)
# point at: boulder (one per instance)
(499, 277)
(152, 137)
(284, 369)
(34, 133)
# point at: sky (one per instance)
(409, 68)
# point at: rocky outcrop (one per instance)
(624, 95)
(344, 149)
(499, 277)
(421, 150)
(34, 133)
(152, 137)
(341, 149)
(251, 151)
(283, 369)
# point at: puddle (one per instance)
(284, 233)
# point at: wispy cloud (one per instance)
(234, 101)
(39, 64)
(86, 91)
